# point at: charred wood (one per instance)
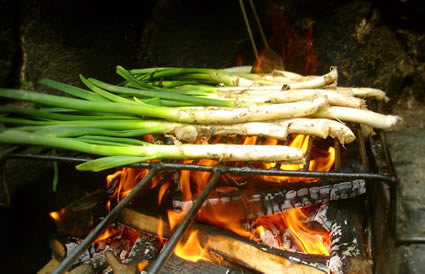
(268, 203)
(177, 266)
(76, 219)
(257, 257)
(143, 250)
(348, 254)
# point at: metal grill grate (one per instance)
(217, 171)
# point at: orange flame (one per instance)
(128, 178)
(109, 232)
(297, 46)
(142, 265)
(161, 191)
(320, 161)
(193, 182)
(160, 230)
(308, 240)
(192, 250)
(55, 215)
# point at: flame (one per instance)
(142, 265)
(192, 250)
(160, 230)
(161, 191)
(297, 46)
(308, 240)
(55, 215)
(193, 182)
(320, 161)
(259, 230)
(128, 178)
(109, 232)
(229, 219)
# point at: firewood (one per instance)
(347, 252)
(255, 258)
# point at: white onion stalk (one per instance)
(230, 80)
(288, 96)
(371, 93)
(361, 116)
(278, 130)
(321, 128)
(287, 74)
(239, 69)
(254, 113)
(322, 81)
(222, 152)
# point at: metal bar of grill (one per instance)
(67, 262)
(224, 169)
(181, 229)
(217, 171)
(394, 199)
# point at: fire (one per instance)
(142, 265)
(308, 240)
(191, 250)
(320, 161)
(193, 182)
(109, 232)
(55, 215)
(128, 178)
(297, 47)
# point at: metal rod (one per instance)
(394, 198)
(112, 216)
(49, 157)
(363, 153)
(308, 154)
(178, 233)
(4, 190)
(233, 170)
(251, 37)
(254, 11)
(337, 147)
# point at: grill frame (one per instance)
(217, 170)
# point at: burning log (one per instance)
(251, 206)
(347, 252)
(143, 250)
(232, 248)
(119, 247)
(76, 219)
